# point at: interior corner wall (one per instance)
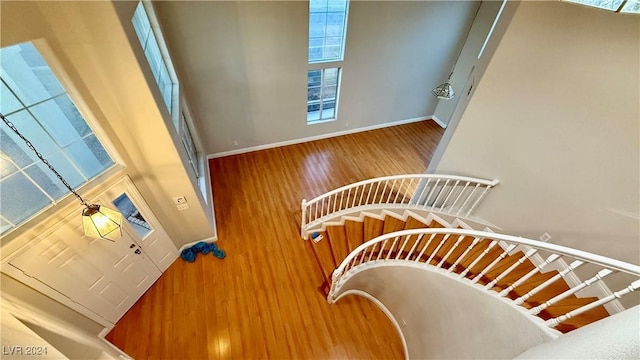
(556, 119)
(244, 65)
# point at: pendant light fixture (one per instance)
(445, 90)
(98, 221)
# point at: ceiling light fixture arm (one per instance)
(39, 155)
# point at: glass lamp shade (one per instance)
(101, 222)
(444, 91)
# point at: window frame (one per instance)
(156, 31)
(344, 37)
(92, 185)
(337, 97)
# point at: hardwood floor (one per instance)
(262, 300)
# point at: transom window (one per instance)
(322, 94)
(154, 55)
(622, 6)
(189, 145)
(327, 28)
(32, 98)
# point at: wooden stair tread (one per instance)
(514, 275)
(338, 241)
(503, 265)
(583, 319)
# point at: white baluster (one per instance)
(391, 191)
(362, 194)
(341, 200)
(425, 247)
(601, 274)
(522, 259)
(527, 276)
(304, 220)
(475, 203)
(616, 295)
(467, 199)
(372, 251)
(493, 263)
(466, 251)
(455, 245)
(355, 196)
(442, 190)
(384, 243)
(553, 279)
(351, 264)
(424, 188)
(426, 201)
(440, 244)
(477, 260)
(316, 206)
(415, 244)
(335, 202)
(376, 194)
(393, 245)
(362, 256)
(348, 198)
(395, 200)
(406, 240)
(444, 203)
(458, 197)
(384, 190)
(369, 193)
(404, 194)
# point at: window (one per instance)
(322, 94)
(189, 145)
(32, 98)
(629, 6)
(327, 28)
(133, 216)
(157, 61)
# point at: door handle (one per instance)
(138, 251)
(132, 246)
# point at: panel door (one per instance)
(142, 223)
(105, 277)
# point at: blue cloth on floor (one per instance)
(190, 254)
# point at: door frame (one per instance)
(14, 272)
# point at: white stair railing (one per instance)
(450, 194)
(392, 248)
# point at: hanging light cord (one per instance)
(39, 155)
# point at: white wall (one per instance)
(68, 331)
(18, 339)
(616, 337)
(101, 63)
(94, 50)
(446, 319)
(244, 64)
(556, 119)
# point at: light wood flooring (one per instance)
(262, 301)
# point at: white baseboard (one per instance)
(102, 336)
(188, 245)
(320, 137)
(439, 122)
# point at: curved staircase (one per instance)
(420, 226)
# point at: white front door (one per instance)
(105, 277)
(142, 223)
